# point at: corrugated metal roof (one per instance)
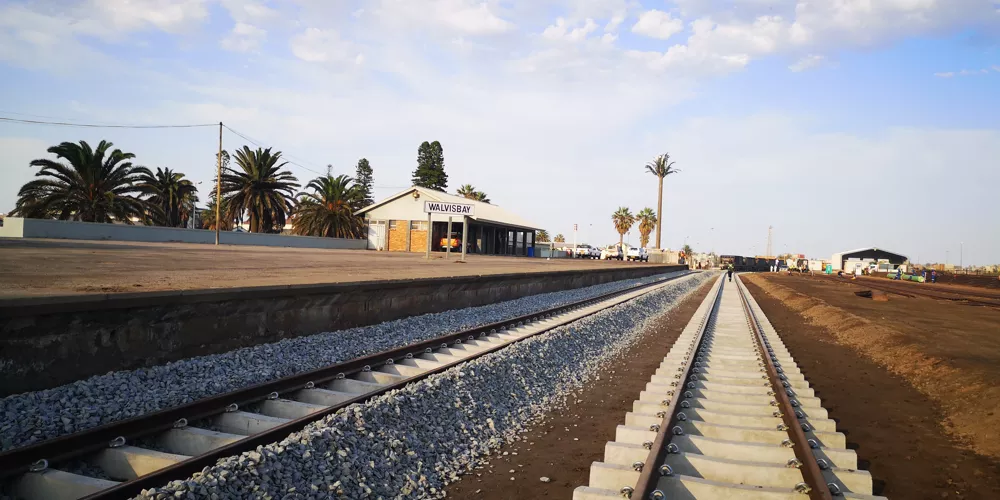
(485, 212)
(877, 249)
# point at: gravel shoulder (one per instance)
(35, 416)
(563, 447)
(415, 441)
(37, 267)
(921, 419)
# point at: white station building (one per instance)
(399, 224)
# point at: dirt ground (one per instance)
(63, 267)
(563, 447)
(913, 382)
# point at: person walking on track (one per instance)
(730, 272)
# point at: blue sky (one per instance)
(842, 123)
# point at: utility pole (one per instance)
(769, 249)
(575, 227)
(961, 254)
(218, 187)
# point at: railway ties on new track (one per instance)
(727, 414)
(154, 449)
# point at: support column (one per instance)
(429, 227)
(447, 236)
(465, 234)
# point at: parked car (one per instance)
(456, 243)
(637, 254)
(582, 251)
(595, 253)
(611, 252)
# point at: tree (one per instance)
(542, 236)
(329, 209)
(174, 195)
(364, 179)
(623, 220)
(469, 191)
(208, 216)
(661, 167)
(430, 167)
(94, 185)
(647, 221)
(259, 187)
(559, 238)
(687, 252)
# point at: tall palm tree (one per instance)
(259, 187)
(559, 238)
(647, 221)
(172, 193)
(661, 166)
(94, 185)
(542, 236)
(469, 191)
(329, 209)
(623, 220)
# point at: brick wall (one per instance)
(397, 237)
(418, 240)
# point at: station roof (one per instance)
(869, 250)
(485, 212)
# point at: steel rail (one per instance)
(970, 298)
(811, 473)
(79, 444)
(650, 474)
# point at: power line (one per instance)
(94, 125)
(259, 145)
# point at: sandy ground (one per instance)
(913, 382)
(562, 455)
(62, 267)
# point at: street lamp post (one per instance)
(961, 254)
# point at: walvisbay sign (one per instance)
(439, 207)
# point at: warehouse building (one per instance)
(886, 260)
(399, 224)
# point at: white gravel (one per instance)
(412, 442)
(35, 416)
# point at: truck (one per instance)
(637, 254)
(582, 251)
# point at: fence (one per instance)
(16, 227)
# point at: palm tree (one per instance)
(208, 216)
(559, 238)
(259, 187)
(623, 220)
(329, 209)
(661, 167)
(172, 193)
(469, 191)
(647, 221)
(542, 236)
(96, 185)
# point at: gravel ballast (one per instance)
(36, 416)
(412, 442)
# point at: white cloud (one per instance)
(609, 38)
(657, 24)
(167, 15)
(965, 72)
(996, 68)
(464, 16)
(561, 30)
(808, 62)
(249, 11)
(316, 45)
(614, 23)
(244, 37)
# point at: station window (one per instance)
(393, 225)
(418, 225)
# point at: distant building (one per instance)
(886, 260)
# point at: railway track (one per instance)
(916, 290)
(121, 459)
(727, 415)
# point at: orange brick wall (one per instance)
(397, 238)
(418, 240)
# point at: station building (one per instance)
(399, 224)
(887, 261)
